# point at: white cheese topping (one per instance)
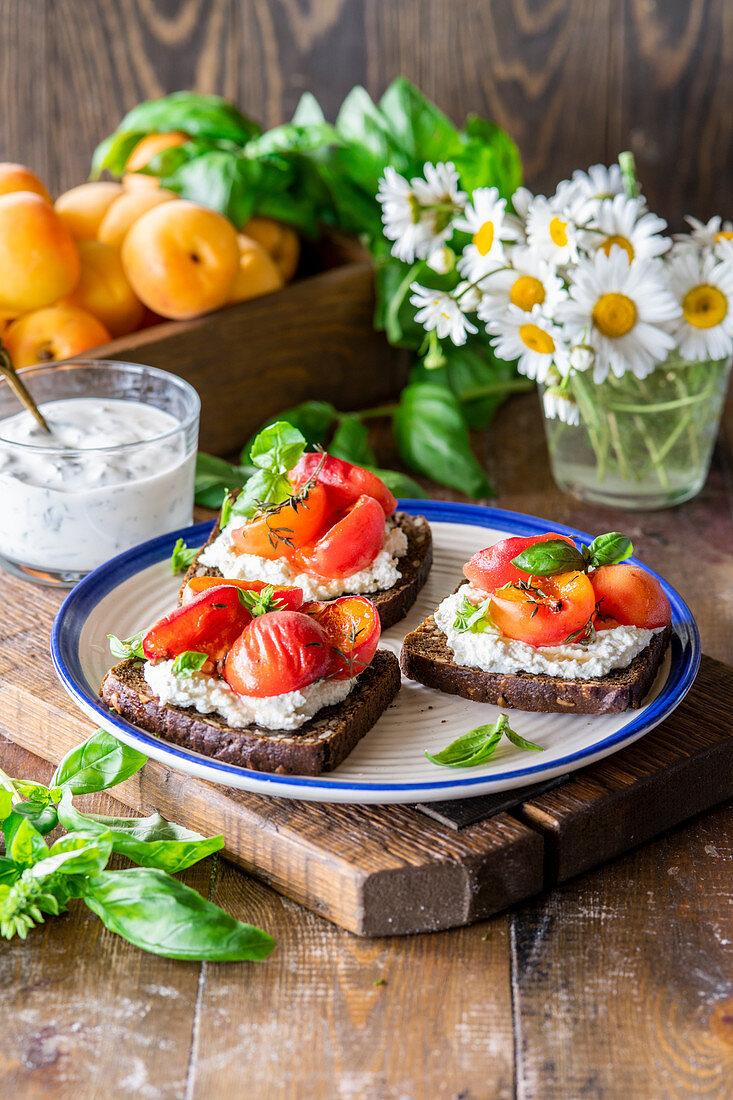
(494, 652)
(208, 693)
(382, 573)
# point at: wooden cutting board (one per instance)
(393, 870)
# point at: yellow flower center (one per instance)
(619, 242)
(527, 292)
(614, 315)
(559, 232)
(704, 306)
(536, 339)
(483, 238)
(724, 235)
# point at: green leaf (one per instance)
(114, 151)
(278, 447)
(196, 114)
(183, 556)
(475, 618)
(545, 559)
(100, 762)
(76, 855)
(187, 662)
(159, 914)
(351, 442)
(432, 437)
(478, 745)
(489, 158)
(6, 803)
(361, 123)
(148, 841)
(521, 742)
(10, 871)
(609, 549)
(260, 603)
(480, 381)
(42, 815)
(214, 477)
(416, 125)
(308, 112)
(220, 180)
(125, 648)
(23, 843)
(313, 419)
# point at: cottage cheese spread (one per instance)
(494, 652)
(382, 573)
(208, 693)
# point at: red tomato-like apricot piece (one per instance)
(631, 596)
(280, 652)
(279, 531)
(349, 546)
(207, 624)
(546, 613)
(289, 596)
(491, 568)
(353, 628)
(344, 482)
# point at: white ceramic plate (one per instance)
(388, 765)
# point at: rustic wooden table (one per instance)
(616, 984)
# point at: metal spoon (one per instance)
(9, 372)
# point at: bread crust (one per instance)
(318, 746)
(427, 658)
(391, 603)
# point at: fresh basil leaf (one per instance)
(42, 815)
(544, 559)
(264, 487)
(183, 556)
(401, 485)
(196, 114)
(489, 158)
(278, 447)
(100, 762)
(214, 477)
(6, 803)
(123, 649)
(220, 180)
(113, 153)
(521, 742)
(313, 419)
(148, 841)
(351, 442)
(260, 603)
(416, 125)
(609, 549)
(76, 855)
(23, 843)
(363, 125)
(187, 662)
(159, 914)
(10, 871)
(475, 618)
(432, 437)
(308, 112)
(472, 748)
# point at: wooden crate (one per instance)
(312, 339)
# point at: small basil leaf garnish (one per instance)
(544, 559)
(478, 745)
(187, 662)
(182, 557)
(609, 549)
(127, 647)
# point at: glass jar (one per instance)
(640, 443)
(118, 468)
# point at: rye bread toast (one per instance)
(392, 603)
(427, 658)
(318, 746)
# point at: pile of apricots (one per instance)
(106, 259)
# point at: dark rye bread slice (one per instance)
(392, 603)
(426, 657)
(318, 746)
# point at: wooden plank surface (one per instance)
(574, 81)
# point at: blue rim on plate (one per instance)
(68, 624)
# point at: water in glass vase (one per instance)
(640, 443)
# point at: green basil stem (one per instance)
(627, 164)
(510, 385)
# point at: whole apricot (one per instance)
(38, 259)
(103, 289)
(280, 240)
(181, 259)
(143, 153)
(258, 273)
(16, 177)
(83, 207)
(125, 211)
(57, 332)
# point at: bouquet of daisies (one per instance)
(583, 284)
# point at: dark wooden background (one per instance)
(574, 81)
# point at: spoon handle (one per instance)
(9, 372)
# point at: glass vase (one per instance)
(641, 443)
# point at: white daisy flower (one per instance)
(551, 234)
(620, 310)
(485, 219)
(529, 337)
(582, 358)
(418, 216)
(622, 223)
(558, 406)
(706, 234)
(440, 311)
(599, 182)
(528, 282)
(703, 287)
